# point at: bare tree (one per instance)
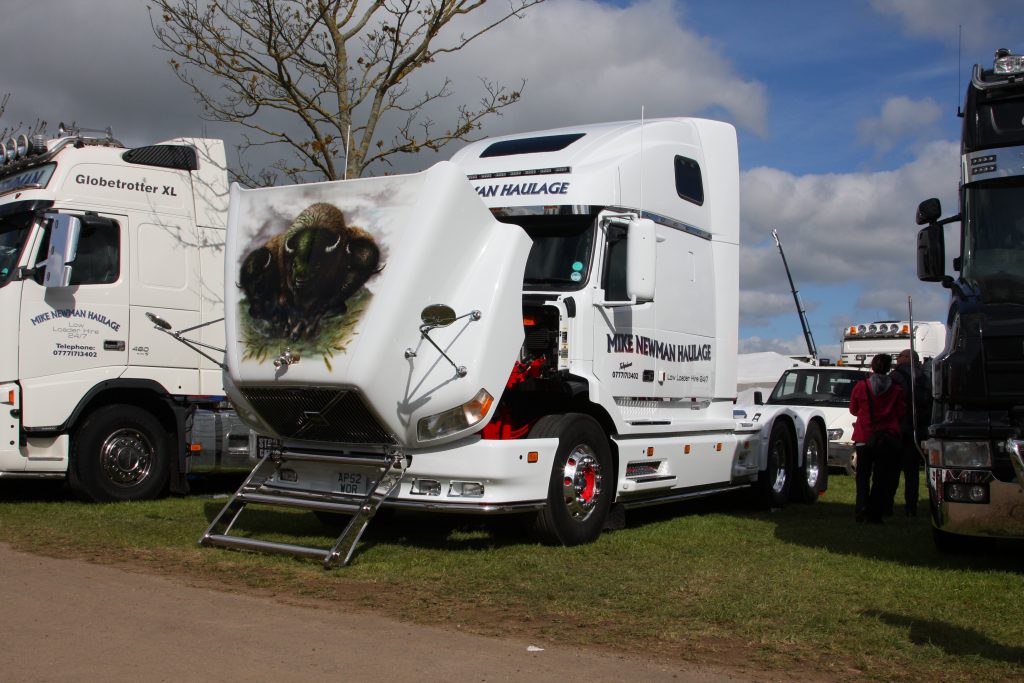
(333, 67)
(11, 130)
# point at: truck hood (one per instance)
(323, 319)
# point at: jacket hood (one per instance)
(879, 383)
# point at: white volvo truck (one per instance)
(556, 335)
(92, 237)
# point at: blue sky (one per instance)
(846, 114)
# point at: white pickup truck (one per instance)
(827, 389)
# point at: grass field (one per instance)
(802, 592)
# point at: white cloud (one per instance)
(982, 21)
(794, 346)
(852, 233)
(757, 307)
(901, 118)
(588, 62)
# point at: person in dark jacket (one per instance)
(911, 435)
(877, 403)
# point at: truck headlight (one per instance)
(835, 434)
(966, 454)
(457, 419)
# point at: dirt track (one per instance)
(68, 620)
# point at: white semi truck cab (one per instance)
(93, 237)
(546, 324)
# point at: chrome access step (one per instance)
(258, 489)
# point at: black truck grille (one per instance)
(312, 414)
(1004, 365)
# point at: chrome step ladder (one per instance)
(257, 489)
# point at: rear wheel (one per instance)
(582, 480)
(774, 480)
(121, 452)
(810, 477)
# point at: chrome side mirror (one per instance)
(437, 315)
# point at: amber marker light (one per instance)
(532, 456)
(650, 451)
(686, 449)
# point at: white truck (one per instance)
(556, 335)
(861, 342)
(93, 237)
(828, 389)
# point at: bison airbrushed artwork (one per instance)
(304, 288)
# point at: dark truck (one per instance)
(977, 425)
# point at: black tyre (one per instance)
(774, 481)
(582, 480)
(812, 476)
(121, 452)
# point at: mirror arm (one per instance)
(159, 324)
(460, 370)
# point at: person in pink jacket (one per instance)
(877, 403)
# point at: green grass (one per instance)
(803, 590)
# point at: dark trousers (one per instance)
(907, 461)
(911, 464)
(874, 481)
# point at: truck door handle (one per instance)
(113, 345)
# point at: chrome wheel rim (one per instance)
(582, 483)
(779, 458)
(812, 458)
(126, 457)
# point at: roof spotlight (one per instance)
(22, 145)
(37, 144)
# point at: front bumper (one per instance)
(511, 480)
(1001, 517)
(840, 454)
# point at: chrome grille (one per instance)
(314, 414)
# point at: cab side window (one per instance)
(98, 261)
(615, 265)
(98, 258)
(689, 184)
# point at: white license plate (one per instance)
(355, 483)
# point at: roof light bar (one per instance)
(876, 330)
(24, 146)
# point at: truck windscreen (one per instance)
(816, 386)
(994, 239)
(562, 251)
(14, 231)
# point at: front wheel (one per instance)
(774, 480)
(121, 452)
(582, 480)
(811, 477)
